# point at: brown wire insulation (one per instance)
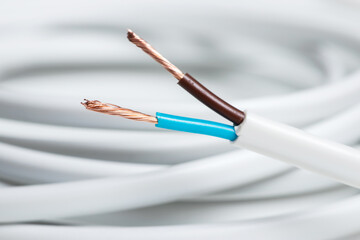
(190, 84)
(204, 95)
(111, 109)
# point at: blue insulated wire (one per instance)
(194, 125)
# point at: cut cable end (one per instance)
(90, 103)
(130, 34)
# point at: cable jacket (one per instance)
(299, 148)
(194, 125)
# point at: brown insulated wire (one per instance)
(190, 84)
(208, 98)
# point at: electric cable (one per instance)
(297, 64)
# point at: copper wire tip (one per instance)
(111, 109)
(147, 48)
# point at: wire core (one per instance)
(111, 109)
(141, 43)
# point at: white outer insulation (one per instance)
(294, 146)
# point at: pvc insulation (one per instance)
(319, 155)
(193, 125)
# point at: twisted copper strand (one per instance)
(115, 110)
(141, 43)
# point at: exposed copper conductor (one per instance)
(111, 109)
(141, 43)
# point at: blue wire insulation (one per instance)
(194, 125)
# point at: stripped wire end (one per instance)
(147, 48)
(111, 109)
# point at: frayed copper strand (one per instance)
(141, 43)
(111, 109)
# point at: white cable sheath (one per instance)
(299, 148)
